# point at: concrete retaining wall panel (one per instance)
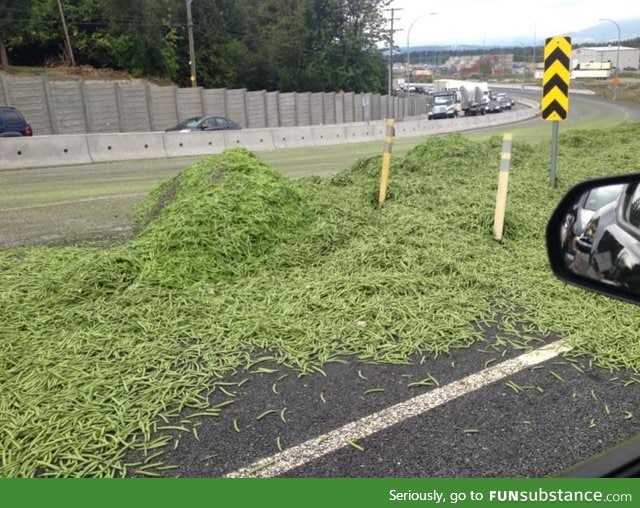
(384, 108)
(287, 109)
(122, 146)
(317, 109)
(101, 102)
(189, 102)
(358, 115)
(38, 151)
(163, 106)
(134, 110)
(29, 96)
(68, 107)
(182, 144)
(376, 106)
(329, 104)
(273, 112)
(251, 139)
(339, 98)
(303, 109)
(236, 106)
(4, 97)
(286, 137)
(215, 102)
(257, 110)
(348, 108)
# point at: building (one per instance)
(498, 64)
(582, 57)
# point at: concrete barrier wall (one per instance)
(39, 151)
(297, 137)
(252, 139)
(33, 152)
(122, 146)
(183, 144)
(329, 134)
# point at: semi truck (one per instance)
(453, 98)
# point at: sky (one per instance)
(482, 22)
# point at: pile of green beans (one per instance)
(101, 348)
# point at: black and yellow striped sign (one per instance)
(555, 81)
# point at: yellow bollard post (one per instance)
(503, 183)
(386, 160)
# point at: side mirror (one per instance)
(593, 237)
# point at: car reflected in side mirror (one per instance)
(593, 237)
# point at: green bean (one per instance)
(266, 413)
(355, 445)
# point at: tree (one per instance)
(287, 45)
(486, 68)
(14, 16)
(345, 52)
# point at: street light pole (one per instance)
(618, 52)
(66, 35)
(192, 51)
(408, 46)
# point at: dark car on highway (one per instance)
(505, 101)
(205, 123)
(493, 106)
(13, 123)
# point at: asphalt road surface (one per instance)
(487, 411)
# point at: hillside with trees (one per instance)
(285, 45)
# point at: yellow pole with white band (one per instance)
(503, 184)
(386, 160)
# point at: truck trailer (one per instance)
(467, 98)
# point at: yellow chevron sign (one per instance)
(555, 80)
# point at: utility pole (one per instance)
(392, 31)
(66, 34)
(192, 51)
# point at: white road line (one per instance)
(365, 427)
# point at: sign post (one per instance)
(555, 91)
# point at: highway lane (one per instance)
(93, 202)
